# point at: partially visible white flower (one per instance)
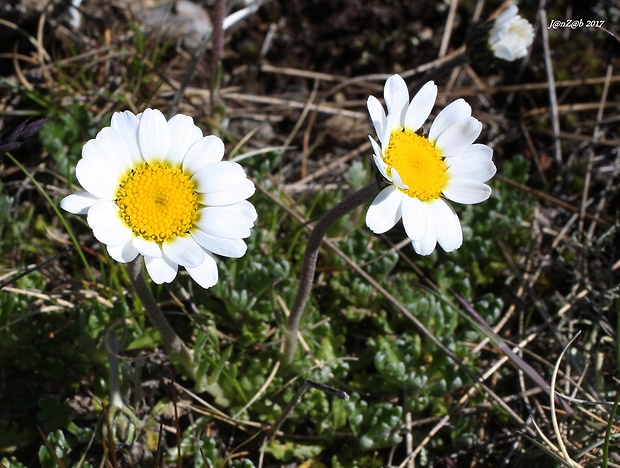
(511, 35)
(424, 171)
(160, 189)
(75, 17)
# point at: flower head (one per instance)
(160, 189)
(511, 35)
(424, 171)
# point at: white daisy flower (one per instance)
(511, 35)
(425, 170)
(160, 189)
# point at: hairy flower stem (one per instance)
(218, 15)
(175, 345)
(308, 268)
(115, 381)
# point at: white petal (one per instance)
(449, 232)
(421, 106)
(247, 209)
(183, 134)
(507, 14)
(127, 124)
(394, 122)
(207, 150)
(233, 195)
(184, 251)
(205, 274)
(110, 147)
(106, 225)
(476, 151)
(429, 241)
(78, 203)
(381, 166)
(98, 177)
(502, 51)
(414, 218)
(396, 98)
(123, 253)
(396, 180)
(230, 221)
(153, 135)
(459, 136)
(146, 247)
(451, 114)
(375, 147)
(465, 191)
(480, 170)
(161, 269)
(217, 177)
(385, 210)
(377, 115)
(234, 248)
(387, 134)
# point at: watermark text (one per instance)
(575, 23)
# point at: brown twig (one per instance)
(309, 383)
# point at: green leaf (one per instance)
(292, 450)
(149, 339)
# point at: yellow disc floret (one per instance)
(158, 202)
(419, 164)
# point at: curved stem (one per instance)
(175, 345)
(309, 266)
(115, 381)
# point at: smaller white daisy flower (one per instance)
(425, 170)
(160, 189)
(511, 35)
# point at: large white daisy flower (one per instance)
(425, 170)
(511, 35)
(160, 189)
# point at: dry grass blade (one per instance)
(177, 425)
(553, 452)
(49, 446)
(556, 428)
(555, 119)
(445, 40)
(260, 392)
(309, 383)
(518, 361)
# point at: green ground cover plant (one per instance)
(402, 358)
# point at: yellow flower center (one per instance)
(418, 162)
(158, 202)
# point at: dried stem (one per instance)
(434, 73)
